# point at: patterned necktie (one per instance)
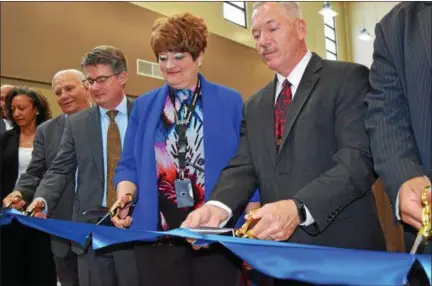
(280, 111)
(113, 156)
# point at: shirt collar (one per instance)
(297, 73)
(121, 108)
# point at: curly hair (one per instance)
(39, 101)
(179, 33)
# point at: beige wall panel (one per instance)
(53, 36)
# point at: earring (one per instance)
(199, 64)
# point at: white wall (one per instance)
(365, 14)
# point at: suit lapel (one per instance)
(95, 138)
(267, 116)
(425, 23)
(304, 90)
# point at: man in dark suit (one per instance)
(91, 143)
(72, 96)
(310, 157)
(399, 116)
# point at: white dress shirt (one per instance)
(294, 78)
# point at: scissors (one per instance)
(425, 231)
(27, 212)
(245, 231)
(109, 212)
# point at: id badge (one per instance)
(184, 193)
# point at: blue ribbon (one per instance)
(308, 263)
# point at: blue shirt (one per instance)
(122, 121)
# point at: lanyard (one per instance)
(182, 125)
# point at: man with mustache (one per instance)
(303, 144)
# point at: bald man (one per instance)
(72, 96)
(5, 124)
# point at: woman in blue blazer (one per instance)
(179, 138)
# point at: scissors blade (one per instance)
(96, 213)
(103, 218)
(416, 244)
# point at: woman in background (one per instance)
(179, 138)
(26, 257)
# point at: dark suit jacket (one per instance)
(324, 158)
(9, 161)
(45, 148)
(399, 118)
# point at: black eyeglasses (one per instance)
(99, 79)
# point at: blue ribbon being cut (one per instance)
(307, 263)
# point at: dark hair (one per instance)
(179, 33)
(39, 101)
(106, 55)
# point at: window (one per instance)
(330, 37)
(235, 11)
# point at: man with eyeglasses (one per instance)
(92, 142)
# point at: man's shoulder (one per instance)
(81, 115)
(339, 72)
(337, 67)
(401, 13)
(51, 122)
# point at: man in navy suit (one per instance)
(399, 117)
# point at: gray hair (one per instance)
(76, 73)
(291, 7)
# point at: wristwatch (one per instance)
(300, 209)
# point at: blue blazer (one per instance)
(222, 111)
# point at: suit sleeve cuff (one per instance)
(309, 218)
(224, 207)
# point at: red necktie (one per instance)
(280, 111)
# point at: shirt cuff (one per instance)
(224, 207)
(397, 213)
(45, 211)
(309, 218)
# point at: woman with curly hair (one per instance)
(25, 253)
(179, 138)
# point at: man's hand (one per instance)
(252, 206)
(36, 208)
(277, 221)
(14, 200)
(207, 216)
(410, 204)
(122, 219)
